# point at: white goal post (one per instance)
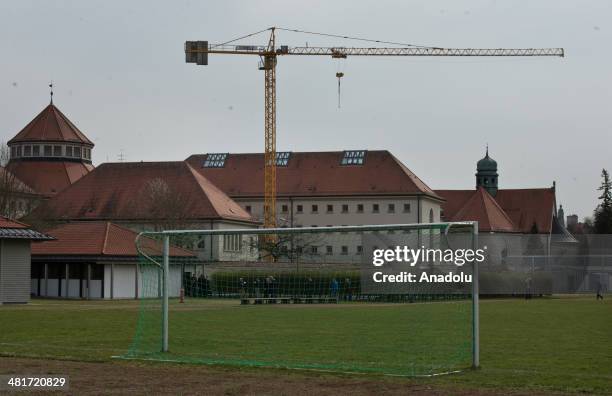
(442, 227)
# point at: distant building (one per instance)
(352, 187)
(50, 153)
(151, 196)
(521, 211)
(96, 259)
(572, 220)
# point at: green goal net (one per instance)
(306, 298)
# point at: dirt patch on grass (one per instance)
(120, 377)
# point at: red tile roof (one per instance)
(523, 207)
(528, 206)
(49, 177)
(482, 207)
(8, 223)
(122, 191)
(97, 238)
(51, 125)
(314, 174)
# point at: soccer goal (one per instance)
(396, 299)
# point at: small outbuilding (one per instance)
(15, 241)
(95, 260)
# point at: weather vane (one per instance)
(51, 91)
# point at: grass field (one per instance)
(539, 345)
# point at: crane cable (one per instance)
(354, 38)
(240, 38)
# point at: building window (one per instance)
(375, 208)
(299, 209)
(27, 151)
(201, 243)
(359, 249)
(14, 152)
(431, 216)
(314, 226)
(215, 160)
(315, 209)
(285, 208)
(330, 208)
(48, 150)
(359, 208)
(57, 151)
(231, 243)
(282, 158)
(314, 249)
(329, 250)
(353, 157)
(345, 208)
(76, 151)
(248, 208)
(406, 208)
(344, 250)
(68, 151)
(391, 208)
(36, 151)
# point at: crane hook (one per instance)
(339, 75)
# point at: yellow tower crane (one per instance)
(197, 52)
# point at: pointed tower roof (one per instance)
(51, 125)
(483, 208)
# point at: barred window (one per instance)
(282, 158)
(353, 157)
(231, 243)
(215, 160)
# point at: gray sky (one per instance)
(120, 75)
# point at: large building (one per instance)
(50, 153)
(521, 211)
(325, 188)
(150, 196)
(96, 259)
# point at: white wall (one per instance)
(322, 217)
(15, 284)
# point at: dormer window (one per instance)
(353, 157)
(215, 160)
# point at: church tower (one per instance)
(486, 174)
(50, 153)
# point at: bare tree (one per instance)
(166, 208)
(16, 198)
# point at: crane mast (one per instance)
(197, 52)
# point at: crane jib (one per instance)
(374, 51)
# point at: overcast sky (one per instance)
(120, 76)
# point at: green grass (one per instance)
(556, 344)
